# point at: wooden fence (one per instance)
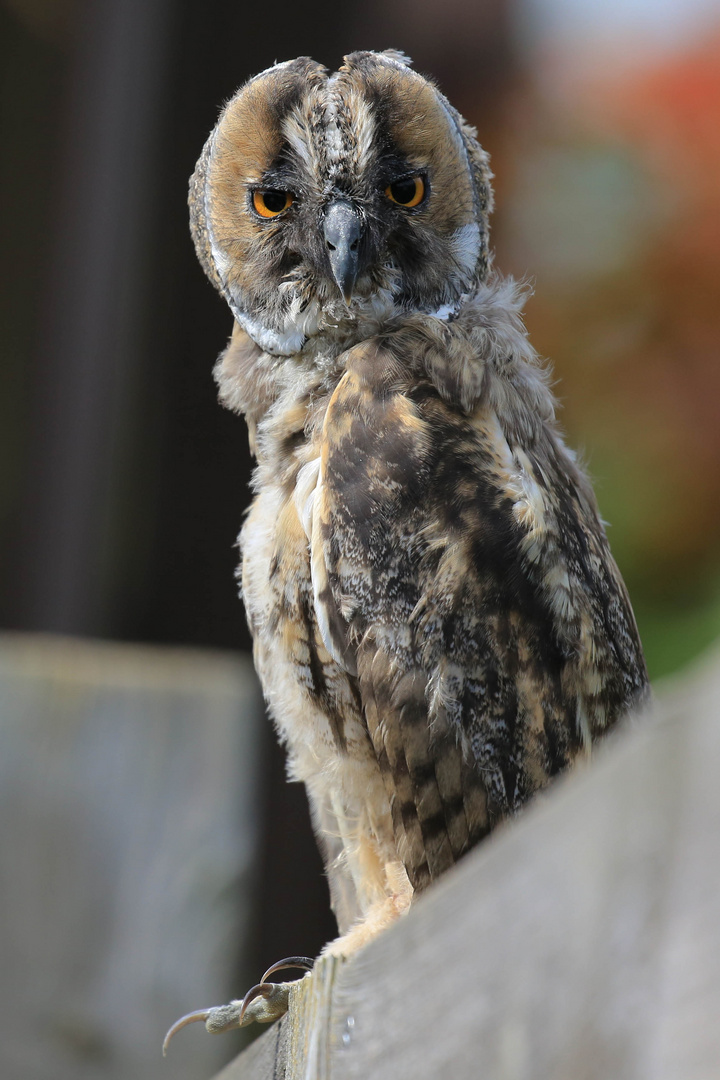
(581, 942)
(128, 834)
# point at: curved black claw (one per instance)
(263, 1003)
(273, 993)
(263, 990)
(189, 1018)
(304, 962)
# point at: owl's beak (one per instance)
(343, 229)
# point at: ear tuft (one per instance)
(398, 56)
(392, 57)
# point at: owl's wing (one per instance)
(462, 573)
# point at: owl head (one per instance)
(322, 198)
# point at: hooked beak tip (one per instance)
(343, 230)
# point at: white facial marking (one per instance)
(334, 144)
(342, 147)
(364, 125)
(466, 246)
(295, 131)
(272, 341)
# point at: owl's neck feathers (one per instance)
(480, 355)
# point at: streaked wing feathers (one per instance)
(470, 578)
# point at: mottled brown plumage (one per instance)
(438, 623)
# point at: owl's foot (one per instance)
(262, 1004)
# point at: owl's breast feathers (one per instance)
(459, 579)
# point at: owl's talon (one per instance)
(189, 1018)
(304, 962)
(260, 990)
(275, 995)
(263, 1003)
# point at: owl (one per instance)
(438, 624)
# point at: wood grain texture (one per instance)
(579, 943)
(128, 830)
(262, 1059)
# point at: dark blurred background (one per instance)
(123, 483)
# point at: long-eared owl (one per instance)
(438, 623)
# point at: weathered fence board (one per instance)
(128, 827)
(581, 942)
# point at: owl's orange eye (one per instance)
(408, 192)
(269, 204)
